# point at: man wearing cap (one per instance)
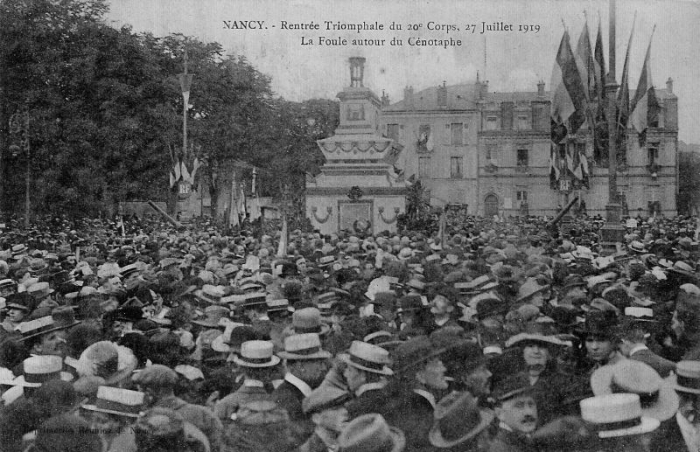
(419, 377)
(254, 309)
(259, 366)
(366, 376)
(686, 321)
(633, 344)
(44, 336)
(158, 382)
(306, 364)
(17, 309)
(516, 411)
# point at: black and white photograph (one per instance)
(349, 225)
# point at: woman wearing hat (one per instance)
(419, 377)
(539, 372)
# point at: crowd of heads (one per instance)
(515, 334)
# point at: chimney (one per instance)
(483, 89)
(540, 88)
(408, 97)
(357, 71)
(385, 99)
(669, 85)
(442, 95)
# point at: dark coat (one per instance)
(663, 366)
(370, 401)
(289, 397)
(230, 404)
(412, 414)
(505, 441)
(668, 437)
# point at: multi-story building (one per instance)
(491, 152)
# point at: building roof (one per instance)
(465, 96)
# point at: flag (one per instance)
(554, 171)
(185, 174)
(623, 105)
(644, 107)
(584, 63)
(601, 134)
(558, 134)
(599, 67)
(443, 226)
(568, 93)
(282, 248)
(585, 179)
(177, 168)
(195, 167)
(172, 179)
(233, 219)
(392, 154)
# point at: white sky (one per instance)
(514, 60)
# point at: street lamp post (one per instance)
(19, 126)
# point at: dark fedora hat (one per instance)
(458, 418)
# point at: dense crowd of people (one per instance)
(488, 336)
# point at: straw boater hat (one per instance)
(38, 370)
(212, 316)
(368, 357)
(256, 354)
(458, 418)
(301, 347)
(308, 320)
(525, 338)
(687, 377)
(370, 432)
(615, 415)
(121, 402)
(659, 400)
(40, 326)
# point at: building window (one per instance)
(491, 123)
(491, 153)
(653, 154)
(523, 160)
(425, 139)
(424, 167)
(456, 167)
(523, 122)
(457, 128)
(521, 195)
(392, 131)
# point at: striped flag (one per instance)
(584, 63)
(601, 134)
(623, 106)
(554, 172)
(568, 92)
(645, 107)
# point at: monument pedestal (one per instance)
(612, 232)
(357, 188)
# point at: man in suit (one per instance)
(633, 334)
(686, 321)
(258, 364)
(366, 375)
(306, 365)
(682, 432)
